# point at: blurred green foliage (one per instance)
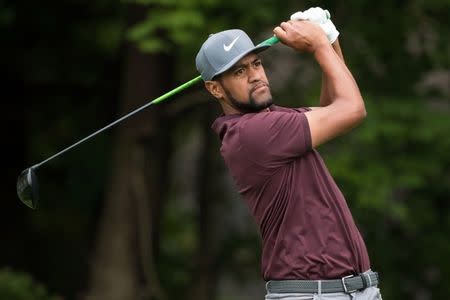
(21, 286)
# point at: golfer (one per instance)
(311, 247)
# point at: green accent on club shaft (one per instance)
(176, 90)
(270, 41)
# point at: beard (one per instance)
(251, 106)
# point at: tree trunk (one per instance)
(205, 275)
(123, 262)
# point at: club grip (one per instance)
(270, 41)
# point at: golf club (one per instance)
(27, 183)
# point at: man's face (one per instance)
(245, 85)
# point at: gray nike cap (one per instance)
(222, 50)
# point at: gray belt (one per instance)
(347, 284)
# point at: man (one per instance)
(311, 247)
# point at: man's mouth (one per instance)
(258, 87)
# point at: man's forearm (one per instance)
(325, 98)
(339, 82)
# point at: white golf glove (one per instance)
(320, 17)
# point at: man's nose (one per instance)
(254, 75)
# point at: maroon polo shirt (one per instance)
(306, 227)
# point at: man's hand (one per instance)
(321, 17)
(314, 14)
(301, 35)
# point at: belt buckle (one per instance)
(345, 287)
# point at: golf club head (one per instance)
(27, 188)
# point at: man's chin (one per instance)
(255, 104)
(264, 103)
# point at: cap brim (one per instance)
(256, 49)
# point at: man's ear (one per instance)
(214, 88)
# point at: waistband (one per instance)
(347, 284)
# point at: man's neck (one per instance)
(230, 110)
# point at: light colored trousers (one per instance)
(370, 293)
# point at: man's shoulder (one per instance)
(289, 109)
(254, 121)
(223, 123)
(274, 117)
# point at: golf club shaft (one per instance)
(270, 41)
(156, 101)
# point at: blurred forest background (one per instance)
(147, 210)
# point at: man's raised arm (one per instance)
(346, 106)
(325, 98)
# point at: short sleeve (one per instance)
(275, 138)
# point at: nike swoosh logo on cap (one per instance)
(228, 47)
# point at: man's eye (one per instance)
(239, 71)
(257, 63)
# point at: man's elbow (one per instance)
(358, 114)
(353, 112)
(362, 112)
